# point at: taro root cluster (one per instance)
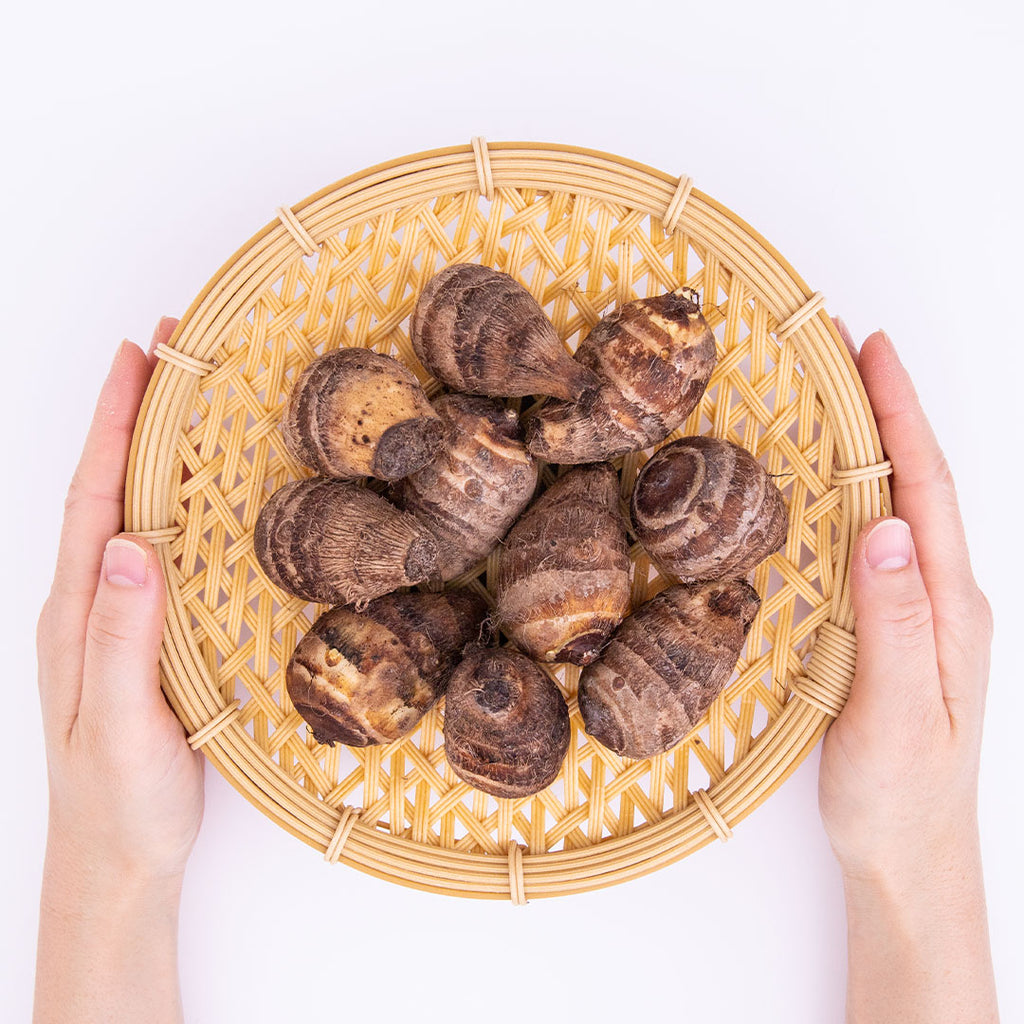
(460, 477)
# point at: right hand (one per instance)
(899, 766)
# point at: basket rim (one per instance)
(193, 694)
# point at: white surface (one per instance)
(875, 146)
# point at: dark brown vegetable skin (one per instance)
(704, 508)
(333, 542)
(368, 677)
(482, 332)
(654, 358)
(354, 412)
(506, 724)
(563, 571)
(470, 496)
(664, 666)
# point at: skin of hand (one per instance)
(126, 791)
(899, 766)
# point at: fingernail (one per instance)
(888, 545)
(162, 326)
(119, 353)
(844, 333)
(124, 563)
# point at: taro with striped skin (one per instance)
(563, 571)
(704, 508)
(335, 542)
(654, 358)
(506, 724)
(368, 677)
(664, 666)
(470, 496)
(480, 331)
(354, 412)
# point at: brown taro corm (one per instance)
(664, 666)
(480, 331)
(368, 677)
(335, 542)
(506, 724)
(654, 359)
(354, 412)
(704, 508)
(470, 496)
(563, 570)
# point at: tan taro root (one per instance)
(470, 496)
(334, 542)
(355, 413)
(368, 677)
(664, 666)
(506, 724)
(563, 571)
(480, 331)
(704, 508)
(654, 358)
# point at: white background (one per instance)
(876, 145)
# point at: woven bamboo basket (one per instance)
(583, 231)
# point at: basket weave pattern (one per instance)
(583, 232)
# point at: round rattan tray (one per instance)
(583, 231)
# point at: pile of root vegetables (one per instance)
(461, 474)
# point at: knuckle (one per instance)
(44, 625)
(983, 614)
(75, 495)
(943, 475)
(107, 635)
(908, 619)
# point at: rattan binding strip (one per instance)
(295, 228)
(191, 364)
(860, 474)
(712, 815)
(163, 535)
(516, 879)
(484, 176)
(801, 316)
(830, 670)
(349, 816)
(215, 726)
(676, 204)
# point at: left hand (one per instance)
(126, 791)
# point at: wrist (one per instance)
(938, 889)
(82, 878)
(906, 869)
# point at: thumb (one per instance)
(897, 666)
(120, 681)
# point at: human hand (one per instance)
(126, 791)
(899, 766)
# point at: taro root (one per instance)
(480, 331)
(563, 571)
(470, 496)
(664, 666)
(334, 542)
(368, 677)
(506, 724)
(654, 358)
(704, 508)
(354, 412)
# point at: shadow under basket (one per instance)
(583, 231)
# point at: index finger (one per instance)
(923, 494)
(93, 513)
